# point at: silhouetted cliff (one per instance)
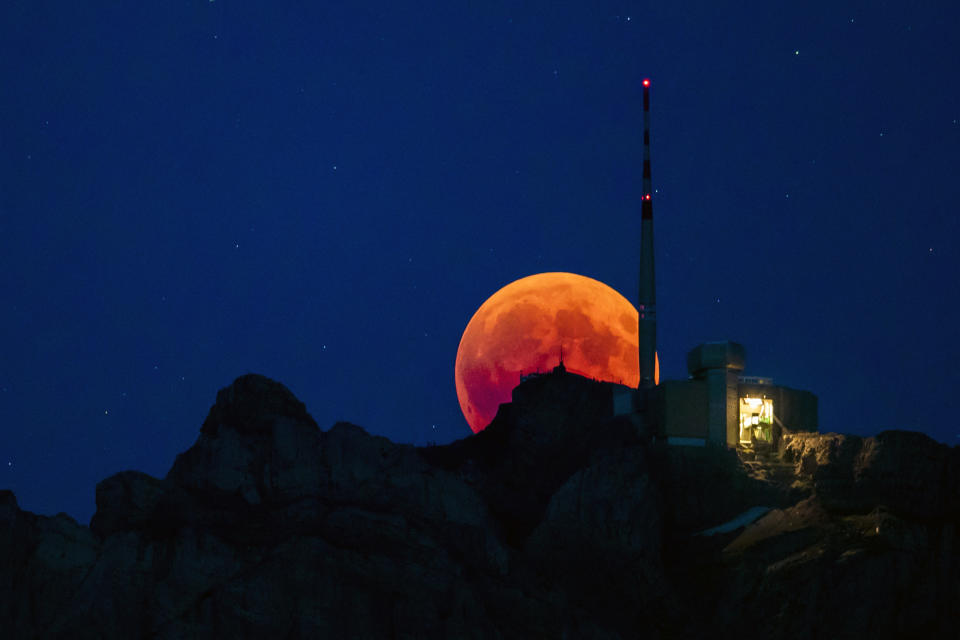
(554, 522)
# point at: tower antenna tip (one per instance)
(646, 82)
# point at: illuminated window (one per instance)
(756, 419)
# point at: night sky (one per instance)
(325, 192)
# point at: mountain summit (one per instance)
(558, 520)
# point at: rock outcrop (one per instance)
(907, 472)
(556, 521)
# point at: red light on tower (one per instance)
(646, 82)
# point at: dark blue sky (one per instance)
(325, 193)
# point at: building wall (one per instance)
(624, 400)
(682, 409)
(732, 423)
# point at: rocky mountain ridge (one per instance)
(553, 522)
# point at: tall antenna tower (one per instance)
(647, 299)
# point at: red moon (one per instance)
(521, 327)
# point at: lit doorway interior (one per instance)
(756, 420)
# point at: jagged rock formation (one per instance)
(551, 523)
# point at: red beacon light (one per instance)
(646, 196)
(646, 82)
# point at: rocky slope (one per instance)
(552, 523)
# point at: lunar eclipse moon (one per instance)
(521, 328)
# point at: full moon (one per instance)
(521, 328)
